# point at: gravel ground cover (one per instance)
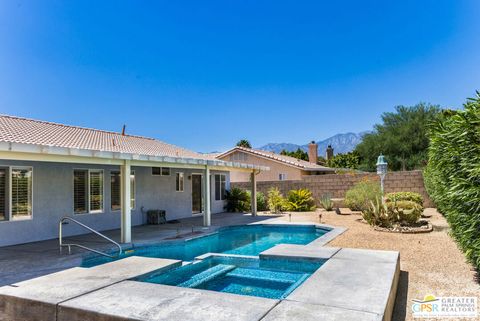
(431, 263)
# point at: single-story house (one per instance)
(282, 167)
(103, 179)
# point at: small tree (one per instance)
(298, 154)
(402, 136)
(349, 160)
(244, 143)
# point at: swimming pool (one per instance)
(272, 278)
(242, 240)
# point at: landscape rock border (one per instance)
(402, 229)
(406, 229)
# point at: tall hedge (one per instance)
(452, 176)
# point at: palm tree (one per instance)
(244, 143)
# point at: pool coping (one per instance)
(376, 274)
(333, 231)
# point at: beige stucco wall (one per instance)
(276, 168)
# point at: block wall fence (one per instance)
(336, 185)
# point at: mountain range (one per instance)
(341, 143)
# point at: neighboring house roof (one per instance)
(287, 160)
(30, 132)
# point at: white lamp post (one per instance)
(381, 169)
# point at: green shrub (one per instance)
(276, 202)
(404, 196)
(405, 212)
(261, 202)
(358, 197)
(238, 200)
(326, 202)
(300, 200)
(452, 176)
(241, 201)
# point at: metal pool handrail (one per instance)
(69, 245)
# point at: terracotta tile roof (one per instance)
(28, 131)
(288, 160)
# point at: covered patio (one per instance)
(104, 180)
(125, 162)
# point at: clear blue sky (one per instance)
(203, 74)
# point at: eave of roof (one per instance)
(107, 155)
(279, 158)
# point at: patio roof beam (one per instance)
(31, 152)
(57, 158)
(211, 166)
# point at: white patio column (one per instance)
(126, 222)
(206, 197)
(253, 180)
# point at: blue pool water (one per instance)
(244, 240)
(273, 279)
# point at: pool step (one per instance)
(207, 275)
(295, 285)
(176, 276)
(267, 275)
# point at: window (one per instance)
(282, 177)
(80, 191)
(115, 183)
(179, 181)
(239, 157)
(161, 171)
(21, 193)
(96, 191)
(3, 194)
(220, 181)
(16, 193)
(115, 204)
(132, 190)
(87, 191)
